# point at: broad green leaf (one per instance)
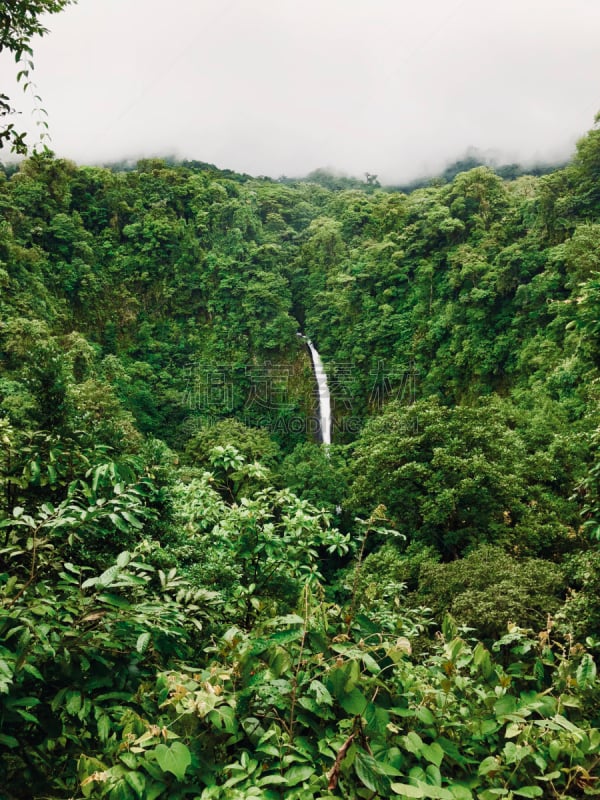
(371, 773)
(73, 703)
(529, 791)
(352, 670)
(413, 743)
(425, 716)
(287, 619)
(129, 759)
(489, 764)
(371, 664)
(402, 712)
(268, 749)
(377, 719)
(297, 774)
(123, 559)
(155, 790)
(137, 782)
(586, 671)
(118, 522)
(478, 654)
(223, 717)
(108, 577)
(451, 750)
(512, 730)
(490, 725)
(174, 758)
(122, 791)
(322, 694)
(142, 642)
(492, 794)
(283, 637)
(111, 599)
(433, 753)
(455, 648)
(310, 704)
(436, 792)
(554, 749)
(433, 775)
(449, 627)
(354, 702)
(563, 722)
(33, 670)
(280, 662)
(505, 705)
(460, 792)
(407, 790)
(482, 660)
(272, 780)
(27, 716)
(551, 776)
(132, 520)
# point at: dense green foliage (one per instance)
(199, 600)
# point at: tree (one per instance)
(254, 444)
(489, 588)
(587, 162)
(316, 474)
(19, 23)
(449, 477)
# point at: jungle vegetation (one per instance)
(197, 599)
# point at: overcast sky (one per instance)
(394, 87)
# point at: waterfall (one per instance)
(324, 397)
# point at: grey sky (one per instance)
(273, 87)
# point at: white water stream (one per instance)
(324, 396)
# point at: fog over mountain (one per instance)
(393, 87)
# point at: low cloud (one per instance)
(392, 87)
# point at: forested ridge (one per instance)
(198, 599)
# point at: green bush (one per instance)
(489, 589)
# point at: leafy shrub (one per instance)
(580, 614)
(305, 707)
(488, 589)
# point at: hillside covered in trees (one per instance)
(200, 600)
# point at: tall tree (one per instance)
(19, 23)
